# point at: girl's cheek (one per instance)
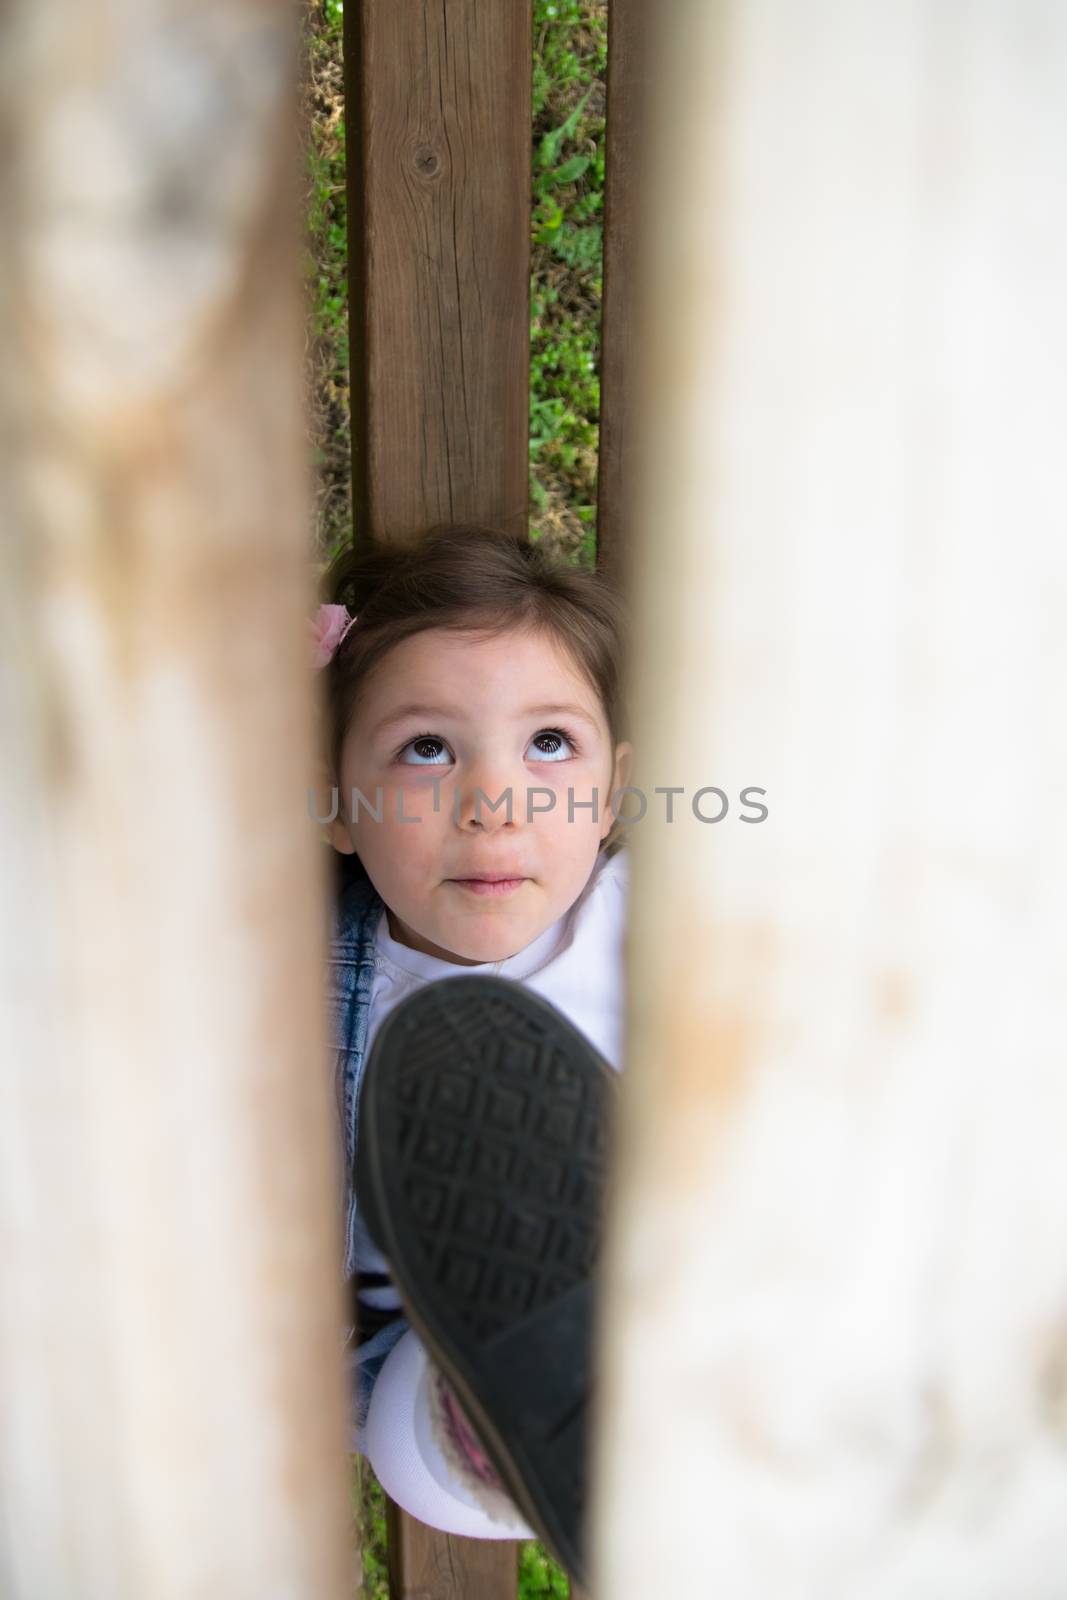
(574, 791)
(415, 797)
(564, 775)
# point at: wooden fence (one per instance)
(438, 122)
(837, 1292)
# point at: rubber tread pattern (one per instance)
(481, 1172)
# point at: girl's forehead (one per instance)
(516, 664)
(440, 652)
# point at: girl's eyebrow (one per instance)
(560, 711)
(446, 713)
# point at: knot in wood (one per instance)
(427, 161)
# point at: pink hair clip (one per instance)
(328, 628)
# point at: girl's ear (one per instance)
(327, 798)
(340, 837)
(624, 762)
(620, 777)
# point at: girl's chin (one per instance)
(498, 945)
(457, 945)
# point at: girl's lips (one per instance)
(489, 886)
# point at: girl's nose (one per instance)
(488, 799)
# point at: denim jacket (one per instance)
(356, 914)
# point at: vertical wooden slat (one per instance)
(837, 1361)
(425, 1564)
(439, 163)
(438, 123)
(171, 1397)
(630, 37)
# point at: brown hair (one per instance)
(469, 578)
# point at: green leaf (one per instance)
(572, 170)
(552, 142)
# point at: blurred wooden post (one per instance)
(170, 1382)
(439, 204)
(838, 1323)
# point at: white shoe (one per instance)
(403, 1440)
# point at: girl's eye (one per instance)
(425, 751)
(551, 744)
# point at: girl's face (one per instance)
(449, 727)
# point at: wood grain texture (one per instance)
(439, 182)
(425, 1564)
(842, 1123)
(170, 1379)
(438, 99)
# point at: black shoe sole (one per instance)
(484, 1132)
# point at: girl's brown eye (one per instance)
(553, 744)
(422, 750)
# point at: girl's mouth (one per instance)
(489, 886)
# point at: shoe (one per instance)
(484, 1131)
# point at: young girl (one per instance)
(474, 738)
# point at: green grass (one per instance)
(567, 147)
(539, 1575)
(570, 60)
(368, 1506)
(326, 274)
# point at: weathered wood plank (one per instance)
(439, 183)
(438, 120)
(838, 1279)
(170, 1381)
(425, 1564)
